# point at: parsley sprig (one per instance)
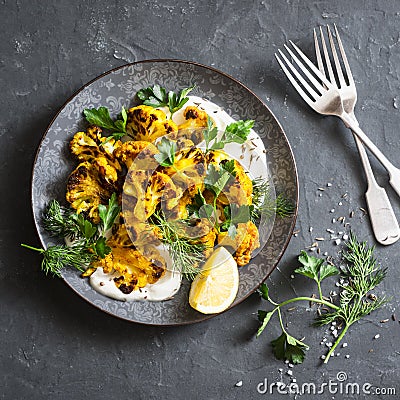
(157, 96)
(88, 239)
(101, 117)
(360, 276)
(236, 132)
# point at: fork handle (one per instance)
(383, 220)
(394, 172)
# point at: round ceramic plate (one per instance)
(117, 88)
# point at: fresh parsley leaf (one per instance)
(167, 149)
(314, 268)
(210, 133)
(100, 247)
(234, 215)
(264, 317)
(87, 229)
(264, 290)
(200, 209)
(216, 179)
(286, 347)
(109, 213)
(236, 132)
(157, 96)
(101, 117)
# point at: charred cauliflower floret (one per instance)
(148, 191)
(147, 123)
(194, 118)
(240, 190)
(244, 243)
(135, 270)
(85, 191)
(195, 122)
(91, 146)
(188, 171)
(138, 153)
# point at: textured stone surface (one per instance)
(53, 344)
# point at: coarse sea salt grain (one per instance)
(329, 184)
(377, 336)
(239, 384)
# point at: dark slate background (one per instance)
(55, 346)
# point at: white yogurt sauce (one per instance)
(163, 289)
(253, 158)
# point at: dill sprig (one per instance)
(59, 221)
(265, 204)
(55, 258)
(186, 255)
(359, 277)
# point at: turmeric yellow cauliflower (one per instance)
(148, 124)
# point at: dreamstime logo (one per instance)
(340, 385)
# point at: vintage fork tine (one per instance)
(293, 81)
(344, 58)
(326, 55)
(339, 71)
(312, 67)
(305, 71)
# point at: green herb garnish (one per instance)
(88, 239)
(157, 96)
(101, 117)
(167, 149)
(265, 204)
(236, 132)
(360, 276)
(185, 253)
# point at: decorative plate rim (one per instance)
(236, 81)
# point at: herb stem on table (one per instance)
(360, 276)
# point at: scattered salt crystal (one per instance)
(332, 328)
(239, 384)
(324, 339)
(294, 380)
(334, 332)
(286, 361)
(337, 242)
(337, 354)
(347, 356)
(323, 357)
(340, 233)
(329, 344)
(344, 345)
(345, 237)
(290, 365)
(334, 322)
(333, 220)
(280, 370)
(311, 229)
(320, 194)
(329, 184)
(326, 253)
(333, 210)
(340, 203)
(290, 372)
(295, 235)
(330, 230)
(292, 276)
(377, 336)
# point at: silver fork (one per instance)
(324, 97)
(383, 220)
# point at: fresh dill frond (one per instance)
(265, 204)
(55, 258)
(185, 253)
(59, 222)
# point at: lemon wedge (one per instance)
(216, 286)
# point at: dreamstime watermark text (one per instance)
(340, 385)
